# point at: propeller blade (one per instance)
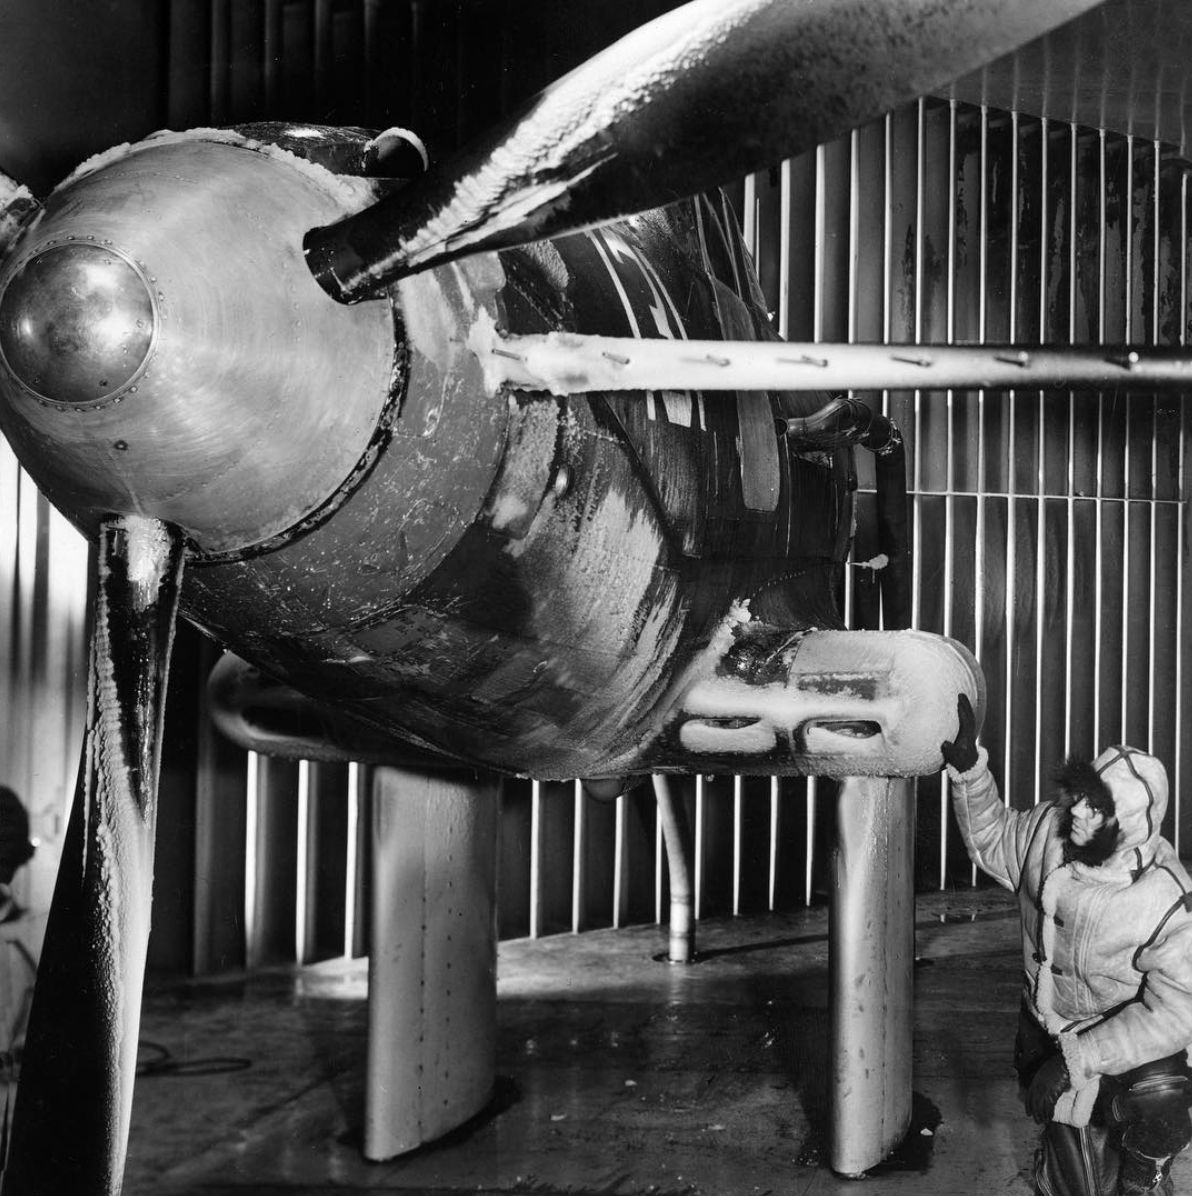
(706, 93)
(74, 1094)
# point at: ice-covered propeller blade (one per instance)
(703, 94)
(74, 1094)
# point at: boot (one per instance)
(1075, 1161)
(1140, 1175)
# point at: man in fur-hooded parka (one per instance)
(1107, 962)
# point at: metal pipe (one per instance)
(676, 833)
(566, 363)
(840, 421)
(895, 578)
(1180, 607)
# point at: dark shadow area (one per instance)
(155, 1060)
(506, 1094)
(914, 1152)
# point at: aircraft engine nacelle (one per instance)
(515, 580)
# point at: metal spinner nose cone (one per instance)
(77, 322)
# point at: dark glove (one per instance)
(1149, 1098)
(1047, 1086)
(961, 752)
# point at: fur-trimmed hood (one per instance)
(1137, 781)
(1080, 779)
(1095, 938)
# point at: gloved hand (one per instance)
(961, 752)
(1047, 1086)
(1148, 1098)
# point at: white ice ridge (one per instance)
(571, 363)
(852, 703)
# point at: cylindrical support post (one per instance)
(871, 971)
(432, 995)
(676, 836)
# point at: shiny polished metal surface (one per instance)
(1123, 66)
(169, 276)
(77, 323)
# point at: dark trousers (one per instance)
(1139, 1124)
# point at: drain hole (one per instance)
(848, 728)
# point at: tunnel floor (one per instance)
(618, 1074)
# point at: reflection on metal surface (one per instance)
(173, 267)
(77, 323)
(564, 363)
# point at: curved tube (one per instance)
(677, 836)
(844, 420)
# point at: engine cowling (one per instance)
(163, 348)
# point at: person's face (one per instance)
(1086, 822)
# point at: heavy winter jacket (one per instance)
(1107, 950)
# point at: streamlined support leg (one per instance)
(432, 996)
(871, 970)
